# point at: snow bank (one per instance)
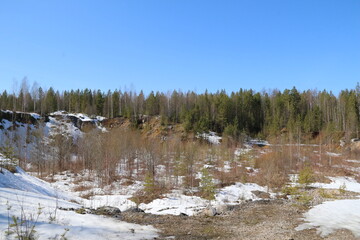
(176, 203)
(120, 201)
(238, 192)
(333, 215)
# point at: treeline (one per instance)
(242, 112)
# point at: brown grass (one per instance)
(81, 188)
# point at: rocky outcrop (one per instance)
(20, 117)
(84, 124)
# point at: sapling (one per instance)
(24, 227)
(306, 176)
(207, 185)
(8, 208)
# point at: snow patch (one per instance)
(331, 216)
(332, 154)
(349, 183)
(176, 203)
(211, 137)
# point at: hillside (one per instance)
(46, 209)
(160, 174)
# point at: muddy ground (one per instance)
(275, 219)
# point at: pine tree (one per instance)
(207, 185)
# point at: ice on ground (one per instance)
(350, 184)
(176, 203)
(333, 215)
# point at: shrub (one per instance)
(306, 176)
(289, 190)
(305, 199)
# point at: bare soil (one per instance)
(276, 219)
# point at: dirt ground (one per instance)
(275, 219)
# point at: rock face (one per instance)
(81, 124)
(19, 117)
(113, 122)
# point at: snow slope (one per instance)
(24, 182)
(22, 194)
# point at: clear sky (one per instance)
(181, 44)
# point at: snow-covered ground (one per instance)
(24, 195)
(334, 215)
(23, 182)
(345, 183)
(118, 195)
(176, 203)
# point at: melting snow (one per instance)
(25, 194)
(338, 182)
(176, 203)
(333, 215)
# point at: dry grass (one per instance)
(147, 197)
(82, 188)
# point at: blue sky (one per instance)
(185, 44)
